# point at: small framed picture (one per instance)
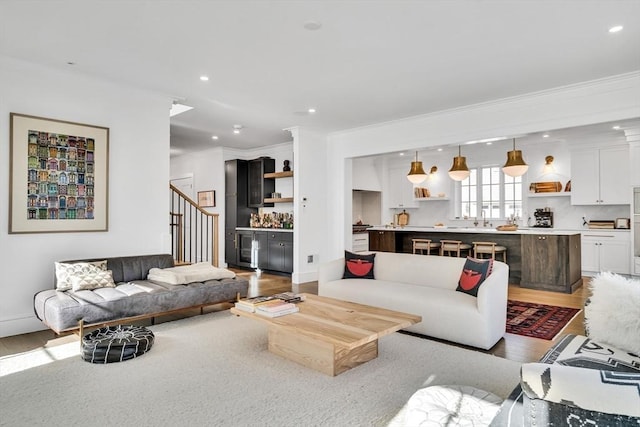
(207, 199)
(623, 223)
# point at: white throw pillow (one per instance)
(184, 274)
(64, 272)
(99, 279)
(613, 313)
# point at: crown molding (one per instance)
(631, 79)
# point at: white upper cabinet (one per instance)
(600, 176)
(400, 190)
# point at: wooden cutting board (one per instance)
(403, 218)
(545, 187)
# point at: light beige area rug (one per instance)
(215, 370)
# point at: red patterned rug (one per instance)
(537, 320)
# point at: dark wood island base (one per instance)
(538, 259)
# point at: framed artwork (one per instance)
(59, 176)
(207, 199)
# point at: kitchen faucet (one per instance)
(484, 218)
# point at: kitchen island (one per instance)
(538, 258)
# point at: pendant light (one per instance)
(416, 175)
(459, 171)
(515, 165)
(548, 166)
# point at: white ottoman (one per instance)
(452, 405)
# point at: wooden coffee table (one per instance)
(330, 335)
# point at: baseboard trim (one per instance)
(20, 325)
(309, 276)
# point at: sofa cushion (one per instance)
(99, 279)
(65, 271)
(474, 272)
(612, 315)
(184, 274)
(358, 266)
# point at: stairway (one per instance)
(194, 231)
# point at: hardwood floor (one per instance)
(525, 349)
(513, 347)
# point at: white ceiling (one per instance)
(370, 62)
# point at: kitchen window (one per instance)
(488, 189)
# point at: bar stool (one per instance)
(490, 248)
(424, 245)
(454, 246)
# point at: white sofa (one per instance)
(425, 285)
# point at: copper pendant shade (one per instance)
(459, 171)
(416, 175)
(515, 165)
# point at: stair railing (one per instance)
(194, 231)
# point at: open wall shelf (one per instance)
(280, 200)
(279, 174)
(430, 199)
(287, 174)
(551, 194)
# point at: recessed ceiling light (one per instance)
(312, 25)
(236, 129)
(214, 137)
(177, 108)
(401, 154)
(616, 127)
(546, 135)
(498, 138)
(311, 110)
(204, 78)
(71, 63)
(616, 29)
(439, 149)
(489, 143)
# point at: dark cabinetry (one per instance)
(260, 187)
(231, 246)
(382, 241)
(551, 262)
(244, 248)
(236, 209)
(266, 250)
(280, 251)
(245, 190)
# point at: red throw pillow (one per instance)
(474, 272)
(358, 266)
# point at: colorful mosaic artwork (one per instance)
(60, 183)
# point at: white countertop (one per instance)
(485, 230)
(279, 230)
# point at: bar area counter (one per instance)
(538, 258)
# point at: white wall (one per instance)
(138, 179)
(311, 210)
(605, 100)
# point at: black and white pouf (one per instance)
(116, 343)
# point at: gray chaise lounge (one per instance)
(134, 297)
